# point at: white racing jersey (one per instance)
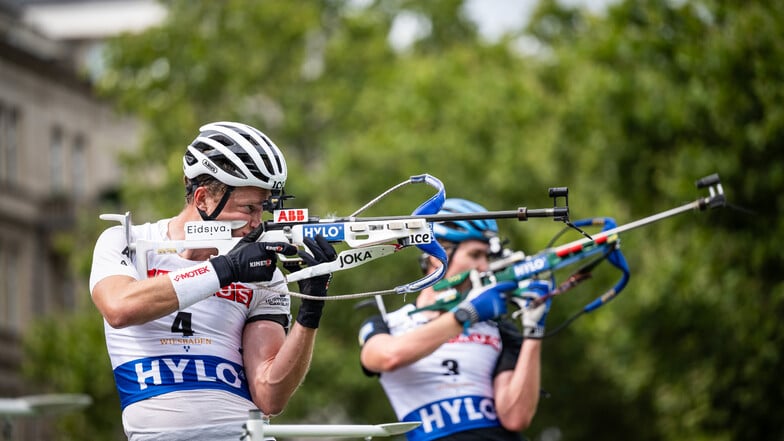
(450, 390)
(183, 370)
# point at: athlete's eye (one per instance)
(478, 254)
(253, 208)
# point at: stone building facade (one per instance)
(58, 147)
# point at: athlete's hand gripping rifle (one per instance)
(368, 238)
(604, 245)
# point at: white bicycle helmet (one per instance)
(237, 155)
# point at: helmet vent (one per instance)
(228, 167)
(254, 169)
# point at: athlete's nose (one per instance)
(483, 265)
(255, 221)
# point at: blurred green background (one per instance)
(627, 108)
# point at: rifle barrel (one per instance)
(695, 205)
(520, 214)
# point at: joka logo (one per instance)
(332, 232)
(292, 215)
(357, 257)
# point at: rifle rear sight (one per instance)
(716, 196)
(558, 192)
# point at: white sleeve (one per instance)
(272, 301)
(110, 257)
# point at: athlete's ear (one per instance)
(201, 198)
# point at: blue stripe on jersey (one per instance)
(457, 414)
(148, 377)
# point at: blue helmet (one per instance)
(462, 230)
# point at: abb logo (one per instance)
(234, 292)
(291, 215)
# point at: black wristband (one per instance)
(309, 313)
(223, 269)
(310, 310)
(309, 317)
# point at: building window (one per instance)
(9, 292)
(79, 167)
(56, 157)
(9, 143)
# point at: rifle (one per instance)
(516, 266)
(368, 238)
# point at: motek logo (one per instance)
(193, 273)
(355, 257)
(331, 232)
(528, 267)
(292, 215)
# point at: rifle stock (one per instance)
(521, 268)
(368, 238)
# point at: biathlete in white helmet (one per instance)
(197, 342)
(463, 374)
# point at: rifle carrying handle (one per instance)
(709, 180)
(556, 192)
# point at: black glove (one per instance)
(322, 251)
(250, 261)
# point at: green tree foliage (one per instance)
(649, 95)
(70, 354)
(627, 109)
